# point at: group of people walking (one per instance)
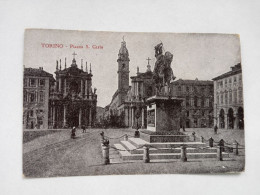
(73, 131)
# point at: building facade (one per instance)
(72, 100)
(197, 105)
(228, 99)
(36, 89)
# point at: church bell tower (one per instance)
(123, 72)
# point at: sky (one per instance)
(202, 56)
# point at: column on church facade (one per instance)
(130, 117)
(81, 87)
(53, 117)
(90, 117)
(65, 86)
(142, 89)
(143, 118)
(59, 84)
(128, 120)
(80, 113)
(133, 89)
(86, 87)
(133, 116)
(64, 115)
(137, 90)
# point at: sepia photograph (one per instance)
(126, 103)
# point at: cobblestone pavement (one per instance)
(57, 154)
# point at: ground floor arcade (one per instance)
(230, 118)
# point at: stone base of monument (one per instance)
(132, 150)
(163, 120)
(153, 137)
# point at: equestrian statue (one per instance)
(162, 74)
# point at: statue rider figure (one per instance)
(162, 73)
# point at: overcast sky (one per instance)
(202, 56)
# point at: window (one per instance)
(202, 90)
(32, 82)
(235, 96)
(226, 98)
(230, 80)
(195, 101)
(202, 102)
(32, 97)
(230, 97)
(221, 98)
(235, 79)
(199, 102)
(41, 96)
(42, 82)
(187, 101)
(187, 89)
(207, 102)
(203, 113)
(31, 113)
(188, 113)
(179, 88)
(221, 84)
(192, 102)
(217, 99)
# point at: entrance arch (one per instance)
(240, 115)
(230, 118)
(222, 119)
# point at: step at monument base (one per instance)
(132, 150)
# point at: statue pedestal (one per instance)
(163, 120)
(163, 114)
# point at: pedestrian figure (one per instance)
(83, 129)
(216, 129)
(194, 135)
(73, 133)
(137, 133)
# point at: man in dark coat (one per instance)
(73, 133)
(83, 129)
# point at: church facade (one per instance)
(72, 100)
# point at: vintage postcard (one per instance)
(113, 103)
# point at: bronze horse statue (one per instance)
(162, 73)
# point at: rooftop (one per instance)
(36, 72)
(234, 70)
(193, 82)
